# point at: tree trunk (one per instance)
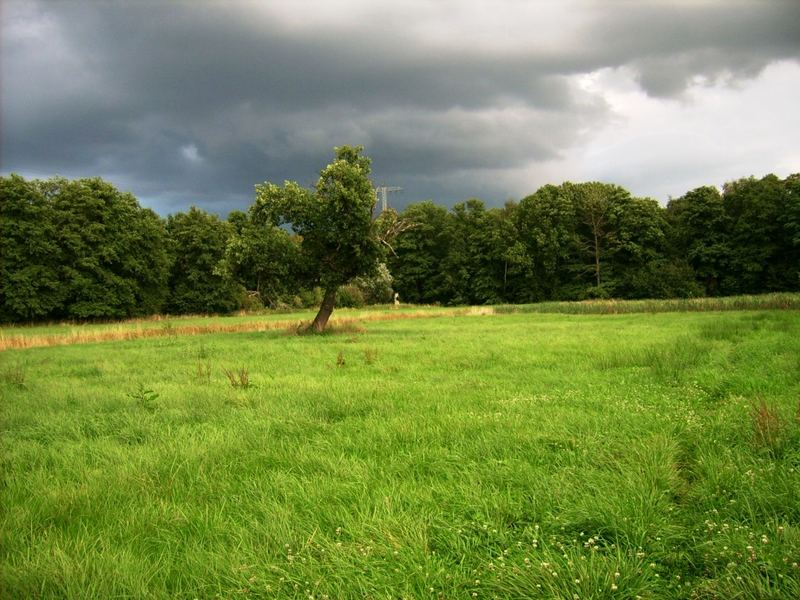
(597, 258)
(325, 310)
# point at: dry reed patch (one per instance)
(77, 336)
(769, 427)
(238, 378)
(479, 311)
(335, 326)
(342, 324)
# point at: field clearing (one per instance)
(59, 334)
(513, 455)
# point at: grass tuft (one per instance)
(370, 355)
(203, 373)
(15, 375)
(238, 378)
(769, 428)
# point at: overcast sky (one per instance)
(195, 102)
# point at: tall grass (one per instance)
(68, 334)
(159, 326)
(528, 456)
(775, 301)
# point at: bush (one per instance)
(378, 288)
(594, 292)
(251, 301)
(350, 296)
(308, 298)
(663, 279)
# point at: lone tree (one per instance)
(339, 238)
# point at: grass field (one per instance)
(57, 334)
(519, 455)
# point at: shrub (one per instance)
(378, 288)
(308, 298)
(250, 301)
(350, 296)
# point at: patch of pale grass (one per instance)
(87, 335)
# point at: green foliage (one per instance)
(83, 250)
(338, 240)
(698, 232)
(199, 280)
(350, 296)
(638, 251)
(377, 288)
(547, 223)
(338, 237)
(743, 240)
(764, 256)
(594, 240)
(308, 298)
(145, 398)
(662, 278)
(79, 249)
(482, 254)
(264, 258)
(32, 259)
(115, 254)
(416, 264)
(792, 212)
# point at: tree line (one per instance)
(595, 240)
(81, 249)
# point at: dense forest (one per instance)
(81, 249)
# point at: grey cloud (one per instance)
(118, 89)
(668, 43)
(194, 61)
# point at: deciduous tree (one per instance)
(763, 257)
(419, 252)
(339, 238)
(263, 258)
(198, 282)
(30, 257)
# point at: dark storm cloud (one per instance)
(668, 43)
(196, 102)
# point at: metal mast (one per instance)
(382, 191)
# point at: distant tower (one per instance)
(382, 191)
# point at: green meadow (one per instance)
(518, 454)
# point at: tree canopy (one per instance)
(81, 249)
(339, 237)
(197, 282)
